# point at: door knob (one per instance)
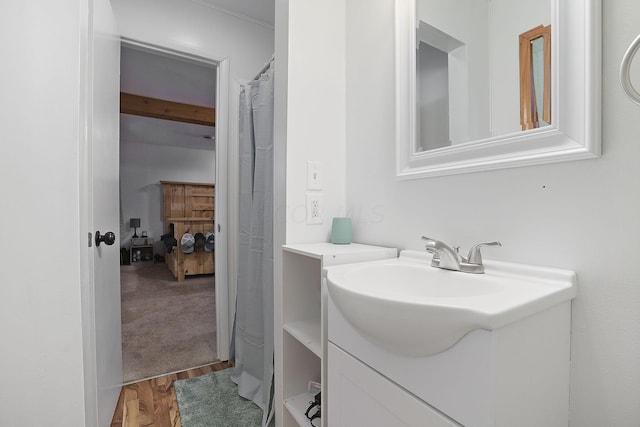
(108, 238)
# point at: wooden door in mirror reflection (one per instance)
(535, 77)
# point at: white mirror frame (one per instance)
(576, 102)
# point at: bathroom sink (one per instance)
(408, 307)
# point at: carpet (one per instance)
(166, 326)
(212, 400)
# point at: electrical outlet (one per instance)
(314, 181)
(314, 208)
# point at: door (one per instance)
(104, 206)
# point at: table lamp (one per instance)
(134, 223)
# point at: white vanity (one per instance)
(506, 365)
(300, 348)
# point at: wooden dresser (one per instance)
(190, 208)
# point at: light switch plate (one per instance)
(314, 176)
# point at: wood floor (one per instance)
(153, 402)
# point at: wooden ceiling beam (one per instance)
(167, 110)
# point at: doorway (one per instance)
(169, 322)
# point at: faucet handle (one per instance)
(475, 257)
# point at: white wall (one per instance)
(143, 166)
(309, 124)
(315, 113)
(194, 28)
(583, 216)
(40, 116)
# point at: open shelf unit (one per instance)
(301, 339)
(308, 333)
(297, 406)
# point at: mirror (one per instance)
(484, 84)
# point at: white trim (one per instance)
(234, 198)
(85, 193)
(576, 130)
(222, 209)
(405, 87)
(215, 362)
(233, 13)
(181, 51)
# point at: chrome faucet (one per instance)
(448, 258)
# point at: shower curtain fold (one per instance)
(253, 329)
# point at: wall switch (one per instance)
(314, 177)
(314, 208)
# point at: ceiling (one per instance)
(170, 78)
(158, 75)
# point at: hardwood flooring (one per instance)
(153, 402)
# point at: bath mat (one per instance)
(212, 400)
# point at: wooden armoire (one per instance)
(188, 207)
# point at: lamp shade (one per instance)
(134, 222)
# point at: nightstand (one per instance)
(141, 249)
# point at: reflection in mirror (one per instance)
(442, 88)
(433, 97)
(535, 77)
(467, 68)
(458, 84)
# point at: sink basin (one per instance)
(410, 308)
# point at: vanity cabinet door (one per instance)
(359, 396)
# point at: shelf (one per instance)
(319, 250)
(331, 254)
(141, 252)
(141, 241)
(188, 183)
(189, 219)
(308, 333)
(297, 406)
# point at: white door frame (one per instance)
(221, 222)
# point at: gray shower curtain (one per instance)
(253, 328)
